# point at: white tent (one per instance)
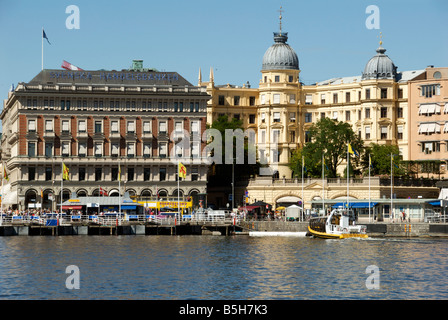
(293, 212)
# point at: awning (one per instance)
(288, 199)
(71, 207)
(128, 207)
(435, 203)
(355, 205)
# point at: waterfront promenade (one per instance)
(157, 225)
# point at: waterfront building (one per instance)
(428, 121)
(376, 103)
(103, 126)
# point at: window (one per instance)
(236, 100)
(400, 132)
(335, 98)
(162, 174)
(221, 100)
(98, 127)
(322, 115)
(114, 174)
(130, 174)
(251, 101)
(292, 98)
(308, 117)
(383, 132)
(144, 106)
(195, 126)
(114, 149)
(322, 98)
(399, 112)
(195, 150)
(146, 174)
(162, 150)
(291, 78)
(62, 105)
(308, 99)
(430, 90)
(276, 116)
(252, 118)
(114, 126)
(176, 106)
(335, 115)
(292, 137)
(196, 107)
(347, 115)
(162, 127)
(82, 148)
(236, 116)
(65, 126)
(146, 126)
(31, 173)
(263, 117)
(82, 174)
(307, 136)
(128, 106)
(263, 99)
(292, 117)
(367, 112)
(347, 97)
(194, 174)
(277, 79)
(133, 106)
(31, 149)
(98, 174)
(263, 136)
(48, 149)
(383, 112)
(367, 94)
(48, 125)
(98, 149)
(65, 146)
(81, 126)
(146, 150)
(95, 105)
(165, 107)
(275, 136)
(178, 126)
(159, 108)
(367, 132)
(276, 98)
(130, 149)
(400, 93)
(48, 174)
(31, 125)
(131, 127)
(383, 93)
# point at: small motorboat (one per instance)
(339, 224)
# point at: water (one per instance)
(224, 268)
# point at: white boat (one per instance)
(338, 225)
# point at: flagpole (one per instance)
(348, 173)
(370, 164)
(303, 201)
(119, 188)
(42, 35)
(62, 185)
(178, 190)
(323, 184)
(391, 188)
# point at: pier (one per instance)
(157, 225)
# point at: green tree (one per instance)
(380, 156)
(330, 138)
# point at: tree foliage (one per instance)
(328, 140)
(380, 156)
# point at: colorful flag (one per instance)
(44, 36)
(182, 171)
(68, 66)
(119, 172)
(5, 174)
(65, 172)
(352, 151)
(103, 192)
(370, 162)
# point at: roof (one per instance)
(111, 77)
(280, 56)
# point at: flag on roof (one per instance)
(44, 36)
(68, 66)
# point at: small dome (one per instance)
(379, 67)
(280, 56)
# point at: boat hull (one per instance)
(325, 235)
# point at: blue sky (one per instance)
(330, 37)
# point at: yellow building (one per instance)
(282, 109)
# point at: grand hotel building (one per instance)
(94, 121)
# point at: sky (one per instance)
(331, 38)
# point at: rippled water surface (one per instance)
(218, 267)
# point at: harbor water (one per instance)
(222, 267)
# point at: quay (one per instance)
(153, 225)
